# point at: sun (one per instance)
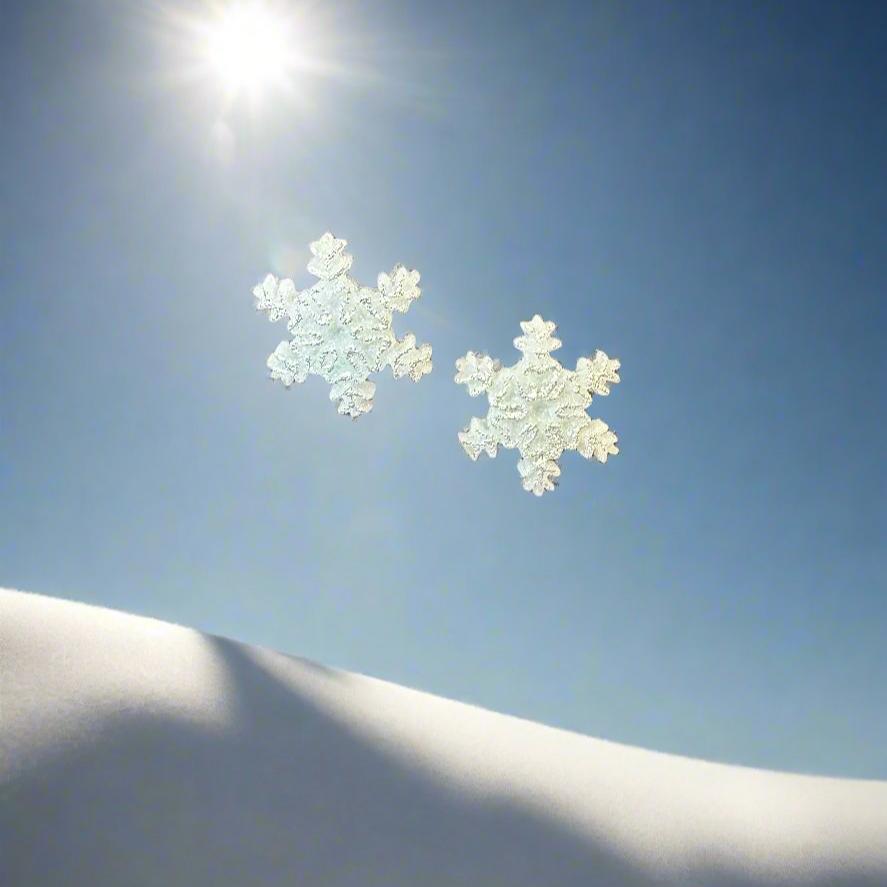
(249, 48)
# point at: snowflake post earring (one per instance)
(340, 330)
(537, 406)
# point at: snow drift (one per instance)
(133, 752)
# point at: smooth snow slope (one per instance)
(140, 753)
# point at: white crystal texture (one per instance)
(340, 330)
(537, 406)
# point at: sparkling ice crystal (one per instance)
(341, 330)
(537, 406)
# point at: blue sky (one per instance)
(698, 189)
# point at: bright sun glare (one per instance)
(249, 48)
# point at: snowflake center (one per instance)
(541, 410)
(340, 335)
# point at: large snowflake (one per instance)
(537, 406)
(341, 330)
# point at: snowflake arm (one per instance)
(538, 407)
(596, 373)
(277, 297)
(596, 441)
(538, 476)
(287, 364)
(329, 257)
(538, 337)
(406, 359)
(340, 330)
(355, 397)
(478, 438)
(400, 288)
(476, 371)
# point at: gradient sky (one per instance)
(698, 189)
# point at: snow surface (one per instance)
(134, 752)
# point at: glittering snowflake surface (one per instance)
(341, 330)
(537, 406)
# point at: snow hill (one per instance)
(133, 752)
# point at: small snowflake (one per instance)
(341, 330)
(537, 406)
